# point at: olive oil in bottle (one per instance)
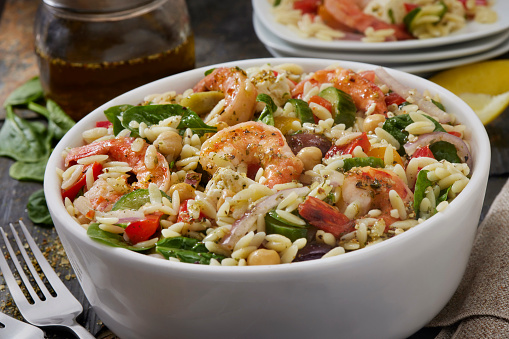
(87, 57)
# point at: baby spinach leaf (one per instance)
(350, 163)
(37, 208)
(113, 114)
(395, 126)
(111, 239)
(443, 150)
(135, 199)
(24, 140)
(421, 184)
(28, 92)
(267, 115)
(444, 194)
(28, 171)
(150, 115)
(191, 120)
(186, 250)
(58, 121)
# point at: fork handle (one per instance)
(80, 331)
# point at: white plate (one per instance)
(471, 31)
(425, 55)
(429, 67)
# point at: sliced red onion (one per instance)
(193, 179)
(418, 99)
(428, 139)
(241, 226)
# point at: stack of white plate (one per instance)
(473, 43)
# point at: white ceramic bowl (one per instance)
(389, 290)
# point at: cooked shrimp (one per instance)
(350, 14)
(364, 92)
(255, 144)
(240, 94)
(119, 149)
(103, 195)
(369, 187)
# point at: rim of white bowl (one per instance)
(466, 116)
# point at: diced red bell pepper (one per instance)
(307, 6)
(104, 124)
(456, 134)
(325, 217)
(72, 191)
(410, 7)
(361, 141)
(143, 230)
(423, 152)
(394, 98)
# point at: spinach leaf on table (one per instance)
(59, 122)
(28, 92)
(38, 209)
(24, 140)
(28, 171)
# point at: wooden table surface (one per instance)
(223, 32)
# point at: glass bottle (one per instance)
(90, 51)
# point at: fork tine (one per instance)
(55, 282)
(28, 262)
(16, 291)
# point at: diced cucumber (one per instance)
(275, 226)
(135, 199)
(343, 107)
(411, 18)
(302, 110)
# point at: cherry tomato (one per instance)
(423, 152)
(361, 141)
(72, 191)
(409, 6)
(142, 230)
(394, 98)
(456, 134)
(307, 6)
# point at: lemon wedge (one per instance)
(484, 86)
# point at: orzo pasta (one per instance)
(267, 165)
(379, 20)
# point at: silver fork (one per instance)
(50, 310)
(13, 328)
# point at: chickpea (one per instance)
(263, 256)
(310, 156)
(186, 191)
(169, 144)
(372, 121)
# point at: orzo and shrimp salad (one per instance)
(380, 20)
(266, 165)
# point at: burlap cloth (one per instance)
(480, 306)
